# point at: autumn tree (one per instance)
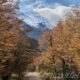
(8, 36)
(23, 54)
(8, 43)
(66, 43)
(13, 44)
(46, 40)
(65, 47)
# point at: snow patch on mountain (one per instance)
(53, 15)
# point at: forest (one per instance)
(56, 55)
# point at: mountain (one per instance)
(34, 22)
(32, 31)
(33, 19)
(37, 32)
(39, 17)
(26, 27)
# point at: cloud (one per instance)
(50, 10)
(54, 14)
(30, 4)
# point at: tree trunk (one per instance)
(6, 77)
(20, 76)
(64, 69)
